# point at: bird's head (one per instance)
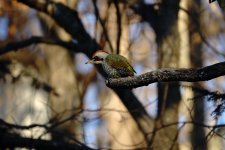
(98, 57)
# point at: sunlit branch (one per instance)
(169, 75)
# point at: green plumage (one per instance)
(118, 66)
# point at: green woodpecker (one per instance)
(114, 65)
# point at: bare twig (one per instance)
(35, 144)
(21, 127)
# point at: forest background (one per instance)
(49, 98)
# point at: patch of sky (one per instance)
(92, 123)
(90, 133)
(4, 23)
(150, 1)
(91, 102)
(89, 21)
(81, 67)
(82, 5)
(134, 31)
(85, 8)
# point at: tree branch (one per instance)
(102, 23)
(119, 26)
(12, 140)
(8, 140)
(69, 20)
(169, 74)
(12, 46)
(20, 127)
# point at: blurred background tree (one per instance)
(49, 98)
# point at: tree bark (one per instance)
(198, 138)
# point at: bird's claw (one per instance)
(107, 81)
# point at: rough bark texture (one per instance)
(169, 74)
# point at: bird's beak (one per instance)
(90, 61)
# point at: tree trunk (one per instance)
(123, 130)
(198, 133)
(168, 40)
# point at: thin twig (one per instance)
(105, 32)
(119, 27)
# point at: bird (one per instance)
(114, 65)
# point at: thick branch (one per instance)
(169, 74)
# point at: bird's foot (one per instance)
(108, 80)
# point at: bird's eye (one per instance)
(96, 58)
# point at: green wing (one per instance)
(121, 64)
